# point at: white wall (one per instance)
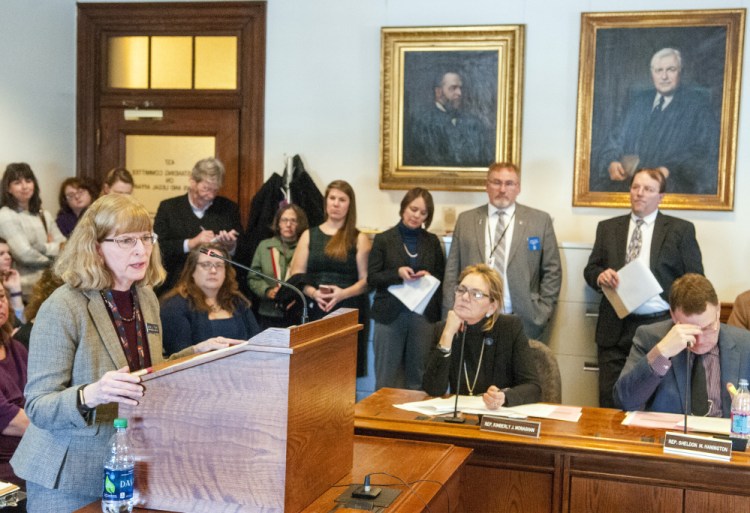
(322, 101)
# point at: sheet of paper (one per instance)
(475, 406)
(416, 294)
(637, 285)
(657, 420)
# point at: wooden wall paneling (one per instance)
(609, 496)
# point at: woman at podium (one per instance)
(333, 259)
(99, 326)
(498, 363)
(206, 302)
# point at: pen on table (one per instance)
(142, 372)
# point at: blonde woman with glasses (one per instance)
(498, 364)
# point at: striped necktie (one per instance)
(499, 245)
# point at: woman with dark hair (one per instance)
(33, 237)
(498, 363)
(13, 419)
(118, 181)
(400, 255)
(273, 257)
(205, 302)
(74, 198)
(88, 337)
(332, 258)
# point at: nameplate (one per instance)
(511, 426)
(696, 446)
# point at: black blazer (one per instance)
(386, 256)
(507, 363)
(175, 222)
(674, 252)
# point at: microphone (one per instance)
(214, 254)
(455, 419)
(688, 387)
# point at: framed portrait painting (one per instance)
(659, 90)
(450, 104)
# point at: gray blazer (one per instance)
(534, 276)
(74, 343)
(639, 388)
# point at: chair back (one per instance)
(548, 372)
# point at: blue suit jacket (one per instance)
(639, 388)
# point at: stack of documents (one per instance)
(475, 405)
(669, 421)
(416, 294)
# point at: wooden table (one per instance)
(437, 467)
(594, 465)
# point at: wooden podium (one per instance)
(262, 427)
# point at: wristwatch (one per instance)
(446, 352)
(84, 410)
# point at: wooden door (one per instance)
(161, 152)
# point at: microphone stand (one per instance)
(214, 254)
(455, 419)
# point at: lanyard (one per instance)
(502, 235)
(109, 300)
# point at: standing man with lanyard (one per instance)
(517, 241)
(665, 244)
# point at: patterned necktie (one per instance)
(659, 106)
(498, 244)
(636, 241)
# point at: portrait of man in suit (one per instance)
(450, 109)
(657, 104)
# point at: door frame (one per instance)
(246, 20)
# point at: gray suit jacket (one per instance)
(74, 343)
(534, 276)
(639, 388)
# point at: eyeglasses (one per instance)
(474, 294)
(286, 220)
(207, 266)
(76, 194)
(500, 183)
(130, 242)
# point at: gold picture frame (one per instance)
(417, 147)
(618, 119)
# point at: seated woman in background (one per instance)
(740, 315)
(273, 257)
(47, 284)
(497, 358)
(403, 254)
(332, 259)
(205, 303)
(33, 237)
(74, 198)
(11, 281)
(118, 181)
(13, 419)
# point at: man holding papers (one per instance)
(655, 375)
(401, 259)
(668, 248)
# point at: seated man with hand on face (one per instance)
(654, 376)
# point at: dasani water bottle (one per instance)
(741, 412)
(119, 467)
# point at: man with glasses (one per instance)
(664, 244)
(656, 372)
(198, 217)
(518, 242)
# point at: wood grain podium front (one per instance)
(266, 426)
(433, 464)
(594, 465)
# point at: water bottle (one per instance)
(119, 467)
(741, 412)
